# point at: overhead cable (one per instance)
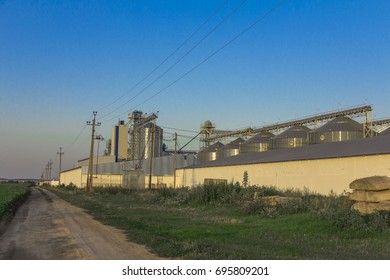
(179, 60)
(260, 19)
(168, 57)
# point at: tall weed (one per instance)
(336, 209)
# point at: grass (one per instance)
(217, 223)
(11, 196)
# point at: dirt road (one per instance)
(48, 228)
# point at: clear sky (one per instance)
(61, 60)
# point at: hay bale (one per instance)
(370, 196)
(374, 183)
(371, 207)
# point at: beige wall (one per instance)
(107, 180)
(73, 176)
(321, 176)
(159, 181)
(78, 178)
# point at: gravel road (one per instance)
(46, 227)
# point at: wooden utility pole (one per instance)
(152, 129)
(59, 170)
(47, 172)
(174, 161)
(50, 163)
(90, 166)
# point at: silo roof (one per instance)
(262, 137)
(341, 123)
(360, 147)
(213, 147)
(297, 131)
(235, 144)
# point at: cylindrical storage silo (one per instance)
(258, 143)
(295, 136)
(339, 129)
(209, 153)
(231, 149)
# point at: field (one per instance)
(11, 196)
(227, 222)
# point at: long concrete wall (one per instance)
(79, 178)
(321, 176)
(74, 176)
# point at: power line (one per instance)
(260, 19)
(169, 56)
(180, 59)
(178, 129)
(181, 135)
(77, 137)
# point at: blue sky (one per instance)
(61, 60)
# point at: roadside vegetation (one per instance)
(12, 195)
(235, 222)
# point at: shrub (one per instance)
(215, 194)
(337, 210)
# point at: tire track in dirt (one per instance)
(48, 228)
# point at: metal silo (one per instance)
(258, 143)
(339, 129)
(295, 136)
(231, 149)
(209, 153)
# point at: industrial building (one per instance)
(119, 139)
(320, 158)
(320, 168)
(134, 158)
(209, 153)
(121, 174)
(144, 136)
(258, 143)
(230, 149)
(295, 136)
(322, 153)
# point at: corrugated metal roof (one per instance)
(235, 144)
(360, 147)
(341, 123)
(262, 137)
(213, 147)
(297, 131)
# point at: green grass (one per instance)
(11, 196)
(193, 225)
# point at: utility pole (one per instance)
(47, 172)
(152, 129)
(49, 167)
(174, 161)
(90, 166)
(59, 170)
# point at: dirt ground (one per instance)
(46, 227)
